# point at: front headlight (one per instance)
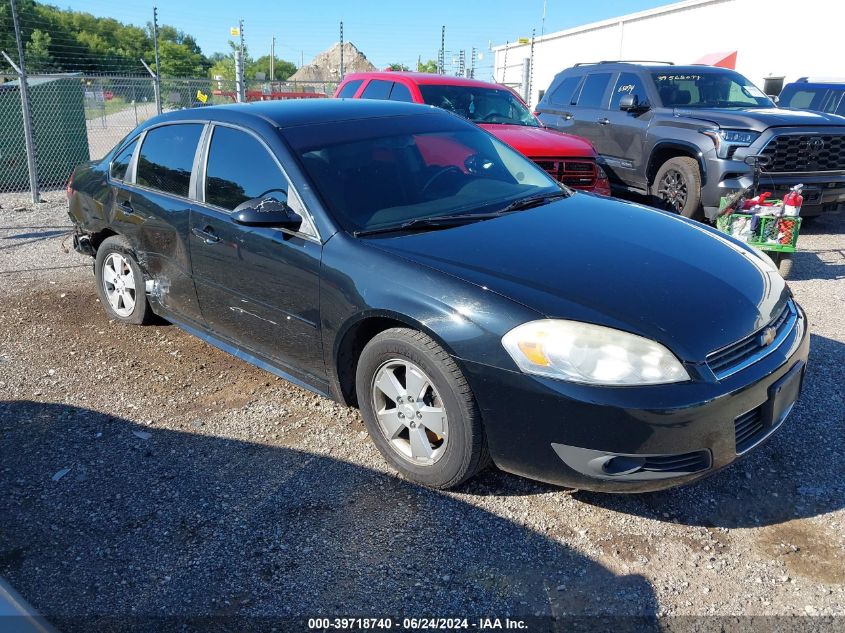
(592, 354)
(725, 140)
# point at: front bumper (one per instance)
(565, 434)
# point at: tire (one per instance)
(458, 446)
(124, 299)
(677, 187)
(784, 263)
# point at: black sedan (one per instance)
(395, 257)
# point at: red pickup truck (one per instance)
(496, 108)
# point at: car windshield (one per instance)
(707, 88)
(384, 172)
(478, 104)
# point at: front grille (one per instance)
(573, 173)
(748, 428)
(734, 357)
(805, 152)
(683, 463)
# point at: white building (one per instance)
(774, 41)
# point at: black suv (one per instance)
(681, 134)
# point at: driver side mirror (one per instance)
(631, 103)
(267, 212)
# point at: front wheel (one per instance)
(419, 410)
(677, 187)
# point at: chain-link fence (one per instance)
(75, 118)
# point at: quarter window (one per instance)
(121, 163)
(240, 168)
(349, 89)
(167, 157)
(563, 94)
(593, 91)
(627, 84)
(377, 89)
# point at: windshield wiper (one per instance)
(424, 224)
(534, 201)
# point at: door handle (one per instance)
(206, 234)
(567, 116)
(126, 206)
(604, 121)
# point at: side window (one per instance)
(841, 109)
(627, 84)
(400, 92)
(593, 90)
(802, 100)
(121, 162)
(349, 89)
(167, 157)
(377, 89)
(563, 94)
(231, 180)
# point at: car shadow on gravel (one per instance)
(797, 474)
(108, 523)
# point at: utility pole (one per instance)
(241, 63)
(27, 117)
(157, 77)
(531, 68)
(341, 50)
(505, 64)
(462, 63)
(272, 59)
(441, 59)
(472, 64)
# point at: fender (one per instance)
(684, 146)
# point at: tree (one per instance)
(401, 67)
(37, 52)
(427, 67)
(281, 69)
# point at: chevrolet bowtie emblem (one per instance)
(767, 336)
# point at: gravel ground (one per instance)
(147, 474)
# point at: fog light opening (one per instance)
(622, 465)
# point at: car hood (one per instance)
(616, 264)
(763, 118)
(540, 141)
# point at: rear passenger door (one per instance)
(589, 112)
(152, 209)
(258, 287)
(556, 108)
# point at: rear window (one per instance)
(377, 89)
(121, 162)
(167, 157)
(400, 92)
(593, 91)
(349, 89)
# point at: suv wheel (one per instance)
(419, 410)
(677, 187)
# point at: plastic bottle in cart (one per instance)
(792, 201)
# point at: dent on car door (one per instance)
(621, 148)
(153, 213)
(258, 286)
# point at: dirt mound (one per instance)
(326, 65)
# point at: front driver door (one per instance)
(258, 287)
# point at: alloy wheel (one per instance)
(119, 284)
(673, 189)
(410, 412)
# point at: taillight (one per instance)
(602, 185)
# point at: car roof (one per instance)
(423, 78)
(819, 81)
(668, 68)
(295, 112)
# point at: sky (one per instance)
(386, 32)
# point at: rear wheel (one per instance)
(419, 409)
(677, 187)
(120, 282)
